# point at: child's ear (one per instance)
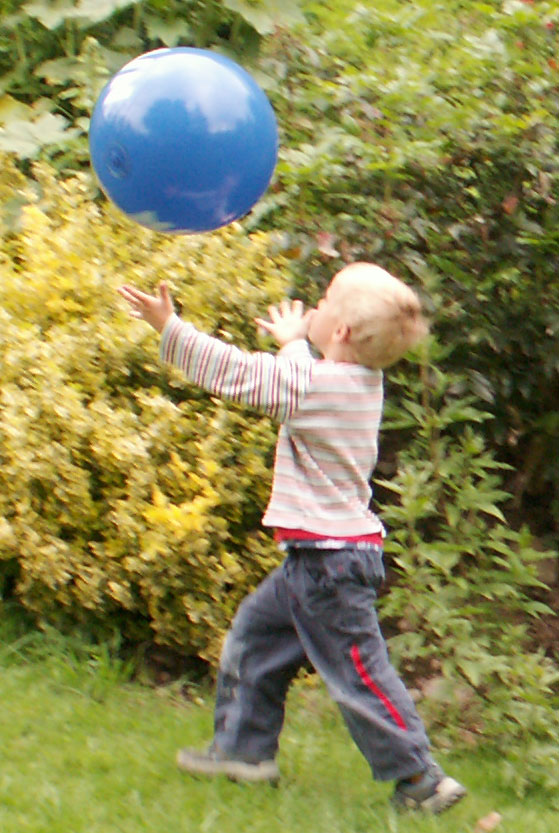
(342, 334)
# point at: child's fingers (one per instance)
(275, 314)
(287, 309)
(130, 299)
(125, 292)
(266, 325)
(292, 309)
(132, 292)
(134, 297)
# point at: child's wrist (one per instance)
(160, 329)
(295, 347)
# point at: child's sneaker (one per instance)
(433, 793)
(213, 762)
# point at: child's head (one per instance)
(367, 316)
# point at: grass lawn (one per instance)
(85, 751)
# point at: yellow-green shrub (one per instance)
(128, 498)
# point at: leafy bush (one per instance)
(464, 580)
(128, 499)
(55, 58)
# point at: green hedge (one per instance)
(128, 498)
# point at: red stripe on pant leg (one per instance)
(371, 685)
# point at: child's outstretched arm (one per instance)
(261, 380)
(154, 309)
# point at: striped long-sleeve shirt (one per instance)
(329, 413)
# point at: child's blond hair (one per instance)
(383, 314)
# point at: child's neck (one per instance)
(339, 352)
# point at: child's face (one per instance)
(325, 320)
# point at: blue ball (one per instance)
(183, 140)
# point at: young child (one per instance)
(319, 604)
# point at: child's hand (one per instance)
(288, 323)
(155, 310)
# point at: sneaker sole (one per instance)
(234, 770)
(449, 792)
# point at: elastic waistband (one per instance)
(322, 548)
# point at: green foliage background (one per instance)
(422, 135)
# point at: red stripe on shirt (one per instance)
(282, 534)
